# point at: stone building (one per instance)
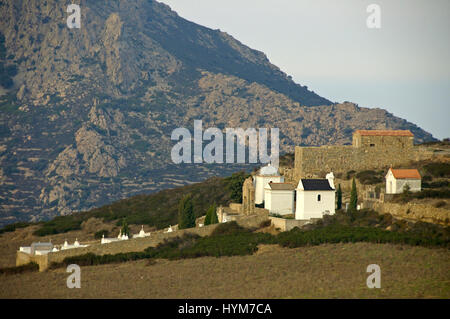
(397, 179)
(315, 198)
(265, 175)
(279, 198)
(371, 149)
(248, 197)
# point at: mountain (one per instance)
(86, 114)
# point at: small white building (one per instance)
(279, 198)
(109, 240)
(169, 230)
(265, 175)
(397, 179)
(76, 244)
(315, 198)
(141, 233)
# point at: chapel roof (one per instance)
(384, 133)
(405, 173)
(269, 170)
(313, 184)
(281, 186)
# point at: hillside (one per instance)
(86, 114)
(325, 271)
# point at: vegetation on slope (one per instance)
(230, 239)
(158, 210)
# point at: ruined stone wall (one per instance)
(413, 211)
(131, 245)
(383, 142)
(24, 258)
(248, 197)
(313, 162)
(284, 224)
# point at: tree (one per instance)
(125, 230)
(235, 182)
(214, 218)
(339, 197)
(211, 216)
(353, 197)
(186, 216)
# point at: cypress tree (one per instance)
(339, 197)
(211, 216)
(214, 218)
(125, 229)
(186, 216)
(208, 216)
(353, 197)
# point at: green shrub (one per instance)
(30, 267)
(369, 177)
(440, 204)
(229, 228)
(13, 227)
(60, 224)
(235, 182)
(186, 216)
(438, 169)
(437, 184)
(346, 234)
(100, 234)
(230, 239)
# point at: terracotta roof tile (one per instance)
(384, 133)
(406, 173)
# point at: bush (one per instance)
(30, 267)
(13, 227)
(60, 224)
(186, 216)
(437, 184)
(440, 204)
(346, 234)
(265, 223)
(350, 174)
(235, 182)
(230, 239)
(438, 169)
(369, 177)
(229, 228)
(100, 234)
(159, 209)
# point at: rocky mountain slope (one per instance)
(86, 114)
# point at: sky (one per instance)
(403, 66)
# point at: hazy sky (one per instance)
(403, 67)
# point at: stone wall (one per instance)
(285, 224)
(131, 245)
(248, 197)
(367, 152)
(317, 161)
(24, 258)
(413, 211)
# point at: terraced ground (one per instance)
(325, 271)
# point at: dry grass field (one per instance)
(325, 271)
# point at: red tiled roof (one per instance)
(384, 132)
(406, 173)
